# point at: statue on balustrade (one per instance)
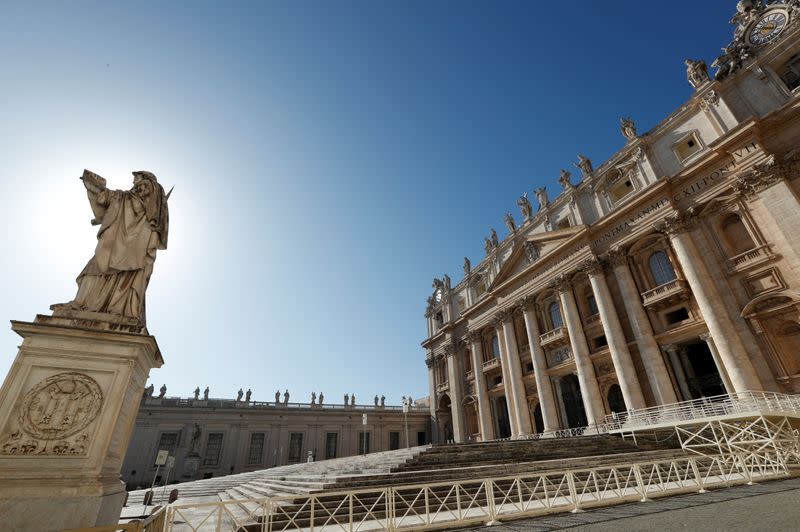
(524, 205)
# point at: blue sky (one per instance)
(329, 159)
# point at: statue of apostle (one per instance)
(133, 225)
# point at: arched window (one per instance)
(495, 347)
(555, 315)
(591, 302)
(737, 238)
(661, 268)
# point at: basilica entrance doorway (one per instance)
(616, 402)
(503, 428)
(445, 417)
(702, 375)
(573, 401)
(537, 419)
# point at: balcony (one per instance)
(556, 336)
(491, 363)
(666, 294)
(592, 321)
(443, 386)
(749, 259)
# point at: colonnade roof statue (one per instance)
(134, 224)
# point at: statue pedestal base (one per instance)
(67, 411)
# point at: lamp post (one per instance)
(406, 406)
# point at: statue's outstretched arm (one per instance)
(98, 194)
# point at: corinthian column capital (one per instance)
(616, 257)
(561, 283)
(592, 266)
(474, 336)
(678, 222)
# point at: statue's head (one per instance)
(144, 183)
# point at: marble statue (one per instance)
(321, 397)
(628, 128)
(585, 166)
(495, 240)
(133, 225)
(564, 179)
(346, 399)
(541, 197)
(205, 394)
(277, 397)
(197, 393)
(487, 245)
(383, 400)
(162, 391)
(446, 282)
(239, 395)
(467, 266)
(286, 397)
(524, 205)
(248, 395)
(148, 392)
(195, 441)
(313, 398)
(696, 72)
(531, 251)
(510, 223)
(377, 399)
(353, 399)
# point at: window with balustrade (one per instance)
(495, 347)
(554, 313)
(661, 268)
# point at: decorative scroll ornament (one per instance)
(709, 100)
(591, 266)
(678, 222)
(750, 183)
(474, 336)
(54, 416)
(561, 283)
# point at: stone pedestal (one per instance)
(67, 410)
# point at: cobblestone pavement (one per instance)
(773, 506)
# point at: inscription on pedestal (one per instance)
(53, 417)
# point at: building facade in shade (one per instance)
(217, 437)
(667, 273)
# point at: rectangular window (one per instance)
(363, 443)
(394, 441)
(167, 442)
(256, 452)
(331, 442)
(295, 447)
(213, 449)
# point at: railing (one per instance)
(748, 258)
(156, 522)
(592, 320)
(461, 503)
(556, 334)
(183, 402)
(751, 403)
(491, 363)
(442, 386)
(674, 287)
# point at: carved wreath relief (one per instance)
(53, 416)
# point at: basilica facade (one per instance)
(669, 272)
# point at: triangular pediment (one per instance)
(544, 244)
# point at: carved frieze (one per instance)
(54, 417)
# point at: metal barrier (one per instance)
(460, 503)
(744, 403)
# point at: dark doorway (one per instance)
(702, 375)
(573, 401)
(537, 418)
(616, 402)
(503, 424)
(445, 417)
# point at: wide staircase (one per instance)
(467, 463)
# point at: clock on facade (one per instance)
(767, 27)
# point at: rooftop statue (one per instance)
(509, 221)
(628, 128)
(696, 72)
(467, 266)
(564, 179)
(495, 240)
(524, 205)
(541, 195)
(585, 165)
(487, 245)
(133, 225)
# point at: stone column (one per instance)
(543, 385)
(507, 387)
(732, 353)
(653, 361)
(726, 380)
(515, 372)
(434, 397)
(456, 396)
(617, 344)
(672, 351)
(592, 401)
(484, 409)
